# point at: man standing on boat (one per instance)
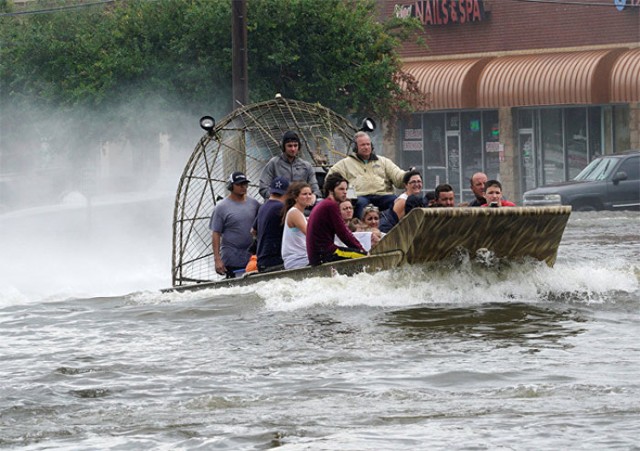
(290, 166)
(268, 228)
(373, 177)
(231, 227)
(325, 223)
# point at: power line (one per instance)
(55, 10)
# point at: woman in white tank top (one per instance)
(294, 237)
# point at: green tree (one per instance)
(145, 65)
(332, 51)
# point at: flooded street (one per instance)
(464, 356)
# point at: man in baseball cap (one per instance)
(268, 227)
(230, 227)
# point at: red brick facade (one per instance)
(511, 25)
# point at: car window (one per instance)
(631, 167)
(598, 169)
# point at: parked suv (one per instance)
(610, 182)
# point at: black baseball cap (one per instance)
(238, 178)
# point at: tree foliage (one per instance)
(143, 63)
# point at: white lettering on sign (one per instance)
(443, 12)
(412, 146)
(494, 147)
(413, 133)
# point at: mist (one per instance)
(88, 215)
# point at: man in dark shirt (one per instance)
(325, 223)
(477, 186)
(268, 227)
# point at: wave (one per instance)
(464, 283)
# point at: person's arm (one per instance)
(398, 207)
(313, 182)
(254, 227)
(268, 173)
(338, 168)
(217, 256)
(296, 219)
(394, 173)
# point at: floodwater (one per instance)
(456, 356)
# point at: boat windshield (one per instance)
(598, 169)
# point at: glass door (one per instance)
(526, 149)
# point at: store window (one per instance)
(434, 150)
(412, 143)
(622, 137)
(471, 137)
(527, 149)
(493, 150)
(451, 147)
(595, 127)
(551, 146)
(576, 139)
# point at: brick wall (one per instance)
(518, 25)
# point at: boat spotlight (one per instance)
(368, 125)
(207, 123)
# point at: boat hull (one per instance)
(434, 234)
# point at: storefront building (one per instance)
(526, 91)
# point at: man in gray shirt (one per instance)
(230, 224)
(290, 166)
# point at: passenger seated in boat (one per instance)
(477, 183)
(294, 236)
(346, 211)
(493, 194)
(230, 226)
(290, 166)
(268, 228)
(371, 216)
(412, 185)
(325, 222)
(373, 177)
(366, 231)
(444, 196)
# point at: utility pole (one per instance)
(239, 54)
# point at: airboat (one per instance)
(248, 137)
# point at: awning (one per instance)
(450, 84)
(547, 79)
(625, 78)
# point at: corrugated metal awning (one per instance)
(547, 79)
(450, 84)
(625, 78)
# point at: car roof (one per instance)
(624, 153)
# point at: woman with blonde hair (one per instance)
(294, 237)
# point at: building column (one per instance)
(634, 125)
(509, 158)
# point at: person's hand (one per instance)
(376, 236)
(220, 268)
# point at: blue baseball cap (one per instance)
(279, 185)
